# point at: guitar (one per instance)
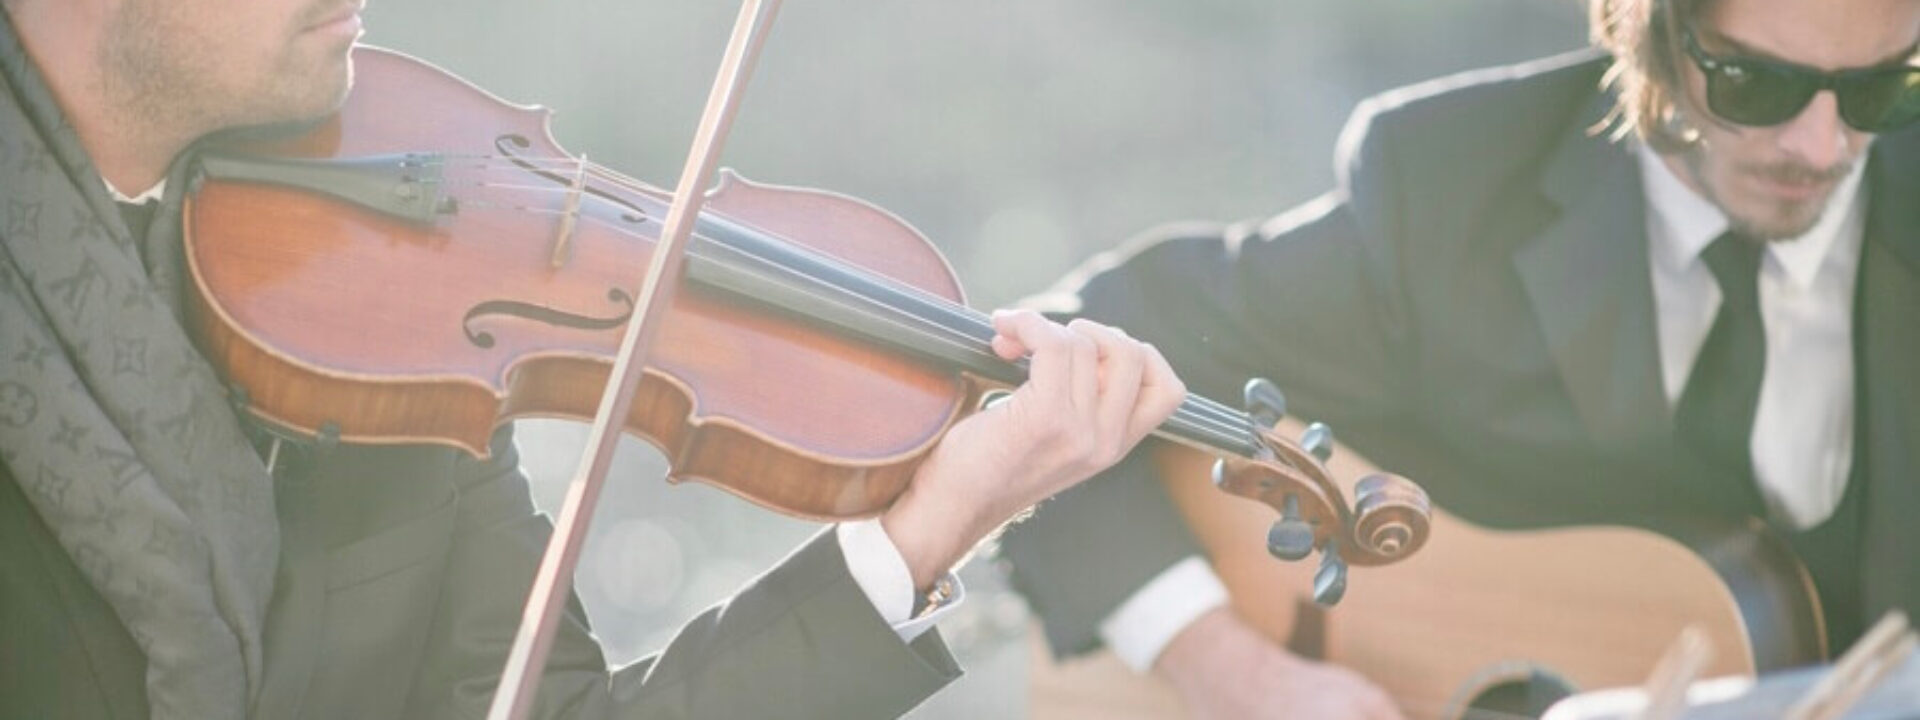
(1482, 622)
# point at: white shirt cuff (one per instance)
(880, 571)
(1143, 625)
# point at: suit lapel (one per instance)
(1888, 319)
(1588, 278)
(294, 620)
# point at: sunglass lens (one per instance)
(1882, 101)
(1752, 94)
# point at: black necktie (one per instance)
(1715, 416)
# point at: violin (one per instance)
(428, 263)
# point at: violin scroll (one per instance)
(1388, 521)
(1391, 518)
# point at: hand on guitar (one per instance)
(1224, 668)
(1092, 394)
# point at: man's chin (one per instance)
(319, 99)
(338, 71)
(292, 115)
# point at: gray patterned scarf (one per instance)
(114, 426)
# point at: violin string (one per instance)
(1220, 436)
(1223, 436)
(1223, 422)
(1195, 413)
(961, 339)
(1233, 422)
(512, 207)
(525, 162)
(918, 331)
(511, 186)
(1206, 409)
(965, 342)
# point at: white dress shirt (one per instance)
(1802, 442)
(151, 194)
(872, 559)
(881, 572)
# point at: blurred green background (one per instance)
(1019, 135)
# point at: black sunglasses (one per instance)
(1751, 91)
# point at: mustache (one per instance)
(1800, 173)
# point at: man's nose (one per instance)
(1816, 136)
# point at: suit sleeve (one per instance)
(801, 641)
(1307, 299)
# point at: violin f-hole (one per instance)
(543, 314)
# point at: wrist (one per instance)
(1141, 627)
(1188, 646)
(946, 510)
(1218, 640)
(932, 536)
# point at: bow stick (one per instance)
(518, 680)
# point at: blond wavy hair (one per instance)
(1645, 76)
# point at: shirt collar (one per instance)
(149, 195)
(1692, 222)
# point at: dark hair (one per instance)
(1645, 78)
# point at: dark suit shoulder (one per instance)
(1510, 110)
(1899, 154)
(1440, 155)
(1494, 98)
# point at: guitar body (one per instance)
(1483, 621)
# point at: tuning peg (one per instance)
(1290, 538)
(1264, 402)
(1330, 581)
(1318, 440)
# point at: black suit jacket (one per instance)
(1471, 307)
(402, 576)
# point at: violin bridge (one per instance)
(563, 241)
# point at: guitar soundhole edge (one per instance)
(1507, 690)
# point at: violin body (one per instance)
(336, 321)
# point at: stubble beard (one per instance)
(1763, 219)
(174, 86)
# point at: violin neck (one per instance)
(748, 265)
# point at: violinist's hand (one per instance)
(1091, 394)
(1224, 668)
